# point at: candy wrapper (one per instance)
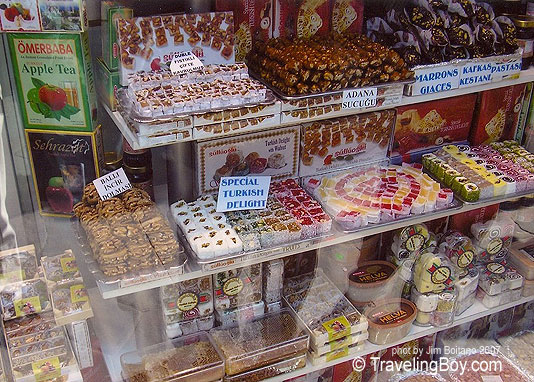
(70, 302)
(347, 16)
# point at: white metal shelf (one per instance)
(111, 291)
(473, 313)
(524, 77)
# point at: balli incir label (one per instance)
(337, 328)
(54, 80)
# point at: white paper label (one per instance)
(435, 80)
(475, 74)
(359, 98)
(185, 62)
(112, 184)
(243, 193)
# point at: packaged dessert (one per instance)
(195, 357)
(273, 280)
(426, 304)
(24, 298)
(317, 359)
(325, 312)
(411, 241)
(18, 264)
(467, 284)
(492, 301)
(460, 251)
(390, 320)
(261, 342)
(496, 278)
(269, 371)
(433, 273)
(522, 259)
(377, 194)
(35, 336)
(237, 287)
(187, 300)
(110, 12)
(184, 328)
(341, 343)
(22, 326)
(240, 314)
(465, 303)
(70, 302)
(38, 351)
(273, 307)
(506, 371)
(339, 143)
(266, 153)
(347, 16)
(150, 43)
(519, 348)
(61, 267)
(372, 280)
(445, 309)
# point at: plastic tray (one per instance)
(325, 312)
(269, 371)
(187, 359)
(261, 342)
(244, 313)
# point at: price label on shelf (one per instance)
(112, 184)
(185, 62)
(243, 193)
(359, 98)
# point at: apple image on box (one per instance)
(59, 198)
(49, 100)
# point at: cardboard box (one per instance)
(252, 22)
(274, 153)
(63, 163)
(148, 43)
(107, 84)
(301, 18)
(110, 12)
(497, 114)
(432, 124)
(54, 80)
(347, 16)
(43, 15)
(343, 142)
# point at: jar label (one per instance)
(371, 273)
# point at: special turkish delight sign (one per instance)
(243, 193)
(273, 154)
(54, 80)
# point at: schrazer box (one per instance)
(107, 83)
(110, 12)
(63, 163)
(54, 80)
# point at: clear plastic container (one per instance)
(18, 264)
(371, 280)
(273, 280)
(25, 298)
(15, 342)
(29, 324)
(445, 311)
(187, 300)
(61, 267)
(184, 328)
(467, 284)
(239, 315)
(261, 342)
(269, 371)
(496, 278)
(465, 303)
(390, 320)
(523, 260)
(325, 312)
(519, 348)
(329, 347)
(193, 358)
(70, 302)
(493, 301)
(237, 287)
(433, 273)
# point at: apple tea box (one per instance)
(54, 80)
(63, 163)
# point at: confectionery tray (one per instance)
(383, 89)
(269, 371)
(236, 259)
(177, 267)
(124, 105)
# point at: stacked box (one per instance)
(107, 84)
(110, 12)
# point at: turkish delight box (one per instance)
(301, 18)
(347, 16)
(273, 153)
(343, 142)
(252, 22)
(63, 15)
(54, 80)
(63, 163)
(19, 15)
(150, 43)
(433, 123)
(110, 12)
(497, 114)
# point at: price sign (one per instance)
(185, 62)
(359, 98)
(243, 193)
(112, 184)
